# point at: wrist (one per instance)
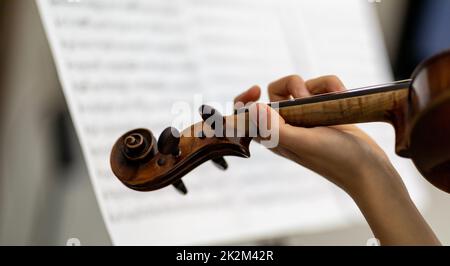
(391, 214)
(379, 180)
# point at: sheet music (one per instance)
(123, 65)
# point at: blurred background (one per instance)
(45, 193)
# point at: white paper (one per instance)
(123, 64)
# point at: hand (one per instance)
(342, 154)
(348, 157)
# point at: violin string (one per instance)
(392, 85)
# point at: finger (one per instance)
(264, 119)
(285, 88)
(276, 134)
(325, 84)
(251, 95)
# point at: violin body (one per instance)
(418, 109)
(428, 127)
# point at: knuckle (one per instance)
(332, 78)
(286, 83)
(294, 81)
(294, 78)
(271, 89)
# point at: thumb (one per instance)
(267, 125)
(274, 132)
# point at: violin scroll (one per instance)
(138, 145)
(143, 164)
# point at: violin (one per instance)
(417, 108)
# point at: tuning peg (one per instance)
(180, 187)
(168, 142)
(221, 163)
(207, 112)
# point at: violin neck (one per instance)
(384, 103)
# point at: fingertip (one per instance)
(255, 92)
(296, 86)
(336, 83)
(251, 95)
(325, 84)
(268, 114)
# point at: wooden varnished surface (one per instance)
(163, 170)
(372, 108)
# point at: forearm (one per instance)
(389, 210)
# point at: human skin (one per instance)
(350, 159)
